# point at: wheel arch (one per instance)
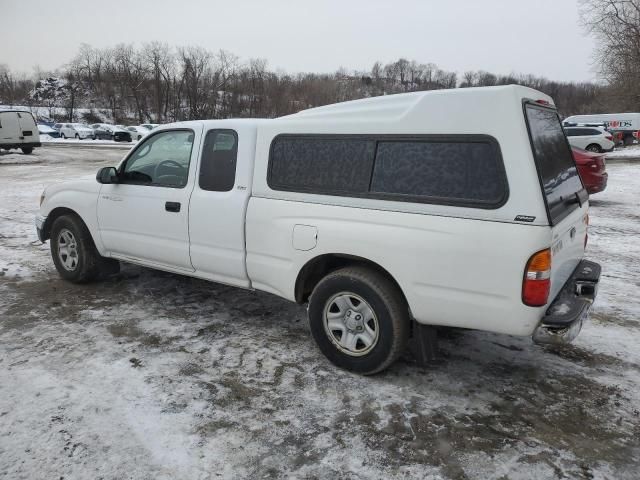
(54, 215)
(318, 267)
(594, 144)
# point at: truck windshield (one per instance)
(561, 183)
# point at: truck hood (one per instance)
(85, 184)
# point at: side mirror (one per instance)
(107, 175)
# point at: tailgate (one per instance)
(567, 247)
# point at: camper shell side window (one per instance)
(456, 170)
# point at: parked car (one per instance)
(41, 121)
(592, 169)
(593, 139)
(18, 130)
(622, 124)
(76, 130)
(386, 215)
(48, 131)
(57, 126)
(137, 132)
(149, 126)
(105, 131)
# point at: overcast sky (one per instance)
(542, 37)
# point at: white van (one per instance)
(459, 207)
(18, 130)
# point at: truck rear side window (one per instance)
(218, 163)
(460, 170)
(452, 171)
(559, 177)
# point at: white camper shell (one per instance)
(388, 215)
(18, 129)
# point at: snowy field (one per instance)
(156, 376)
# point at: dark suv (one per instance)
(104, 131)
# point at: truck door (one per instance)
(144, 217)
(218, 206)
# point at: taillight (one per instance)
(609, 137)
(537, 279)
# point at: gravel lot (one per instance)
(156, 376)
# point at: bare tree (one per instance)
(616, 26)
(160, 63)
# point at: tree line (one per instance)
(157, 83)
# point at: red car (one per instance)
(592, 169)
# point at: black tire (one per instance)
(388, 305)
(77, 137)
(90, 265)
(62, 136)
(594, 147)
(27, 150)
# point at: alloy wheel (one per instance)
(68, 250)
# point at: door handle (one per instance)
(172, 206)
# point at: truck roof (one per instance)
(220, 123)
(398, 105)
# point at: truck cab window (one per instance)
(162, 160)
(218, 163)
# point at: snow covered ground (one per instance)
(156, 376)
(632, 151)
(74, 142)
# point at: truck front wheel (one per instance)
(359, 319)
(74, 253)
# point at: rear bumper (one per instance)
(8, 146)
(564, 318)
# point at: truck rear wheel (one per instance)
(359, 319)
(27, 150)
(74, 253)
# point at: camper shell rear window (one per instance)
(561, 184)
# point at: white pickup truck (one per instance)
(461, 208)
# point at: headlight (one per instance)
(42, 195)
